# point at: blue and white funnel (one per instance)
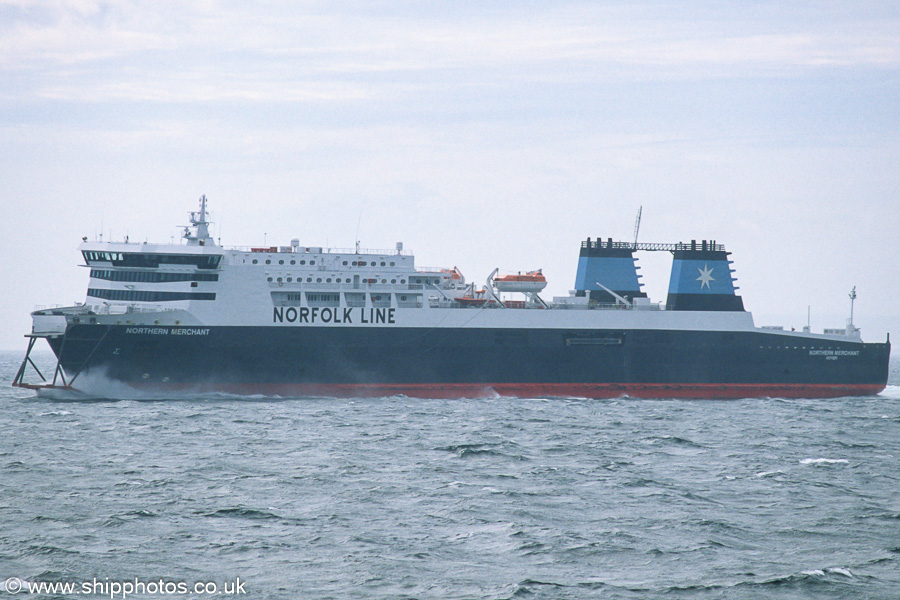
(702, 279)
(610, 265)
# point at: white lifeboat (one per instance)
(531, 282)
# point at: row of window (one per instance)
(148, 296)
(151, 276)
(350, 298)
(328, 280)
(152, 260)
(108, 256)
(317, 297)
(281, 262)
(354, 263)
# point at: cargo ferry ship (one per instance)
(195, 317)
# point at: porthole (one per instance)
(268, 279)
(255, 261)
(290, 279)
(328, 280)
(268, 262)
(302, 262)
(293, 262)
(281, 262)
(312, 262)
(318, 280)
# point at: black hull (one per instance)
(473, 362)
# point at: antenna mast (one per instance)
(852, 300)
(201, 225)
(637, 225)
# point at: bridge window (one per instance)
(152, 260)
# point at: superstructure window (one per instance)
(152, 260)
(148, 296)
(322, 299)
(101, 256)
(380, 299)
(355, 298)
(151, 276)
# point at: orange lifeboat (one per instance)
(467, 301)
(475, 298)
(454, 273)
(529, 283)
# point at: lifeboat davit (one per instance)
(531, 282)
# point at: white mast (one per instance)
(851, 328)
(199, 237)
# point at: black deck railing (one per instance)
(644, 246)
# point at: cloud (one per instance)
(88, 51)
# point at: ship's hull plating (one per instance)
(470, 362)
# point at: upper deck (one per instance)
(217, 282)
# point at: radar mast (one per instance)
(200, 236)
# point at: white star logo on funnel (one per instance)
(705, 276)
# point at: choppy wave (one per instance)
(549, 499)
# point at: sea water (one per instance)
(490, 498)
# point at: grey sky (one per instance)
(480, 134)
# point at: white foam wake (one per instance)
(891, 391)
